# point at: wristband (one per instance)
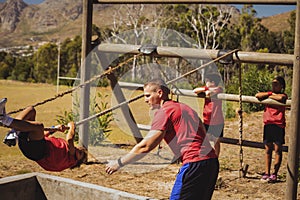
(52, 131)
(270, 93)
(205, 88)
(120, 162)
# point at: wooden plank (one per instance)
(227, 140)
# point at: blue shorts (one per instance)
(196, 181)
(215, 130)
(273, 134)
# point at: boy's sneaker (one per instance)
(2, 108)
(272, 178)
(11, 138)
(265, 177)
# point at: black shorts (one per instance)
(33, 150)
(273, 134)
(215, 130)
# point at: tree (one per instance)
(247, 25)
(70, 55)
(129, 17)
(289, 36)
(206, 23)
(45, 69)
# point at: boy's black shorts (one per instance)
(273, 134)
(33, 150)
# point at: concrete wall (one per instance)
(38, 186)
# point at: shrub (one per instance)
(253, 81)
(98, 127)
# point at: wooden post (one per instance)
(126, 112)
(294, 139)
(120, 98)
(85, 71)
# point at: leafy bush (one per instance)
(253, 81)
(98, 127)
(229, 110)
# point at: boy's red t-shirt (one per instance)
(185, 133)
(274, 114)
(57, 157)
(212, 111)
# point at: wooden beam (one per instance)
(247, 143)
(205, 54)
(222, 96)
(227, 140)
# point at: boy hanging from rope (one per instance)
(51, 153)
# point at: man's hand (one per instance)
(71, 132)
(112, 166)
(61, 128)
(70, 137)
(71, 125)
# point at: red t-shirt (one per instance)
(212, 111)
(185, 133)
(274, 114)
(58, 157)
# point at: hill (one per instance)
(277, 23)
(55, 20)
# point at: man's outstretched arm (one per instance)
(153, 138)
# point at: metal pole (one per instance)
(294, 140)
(85, 71)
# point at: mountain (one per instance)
(10, 13)
(277, 23)
(51, 20)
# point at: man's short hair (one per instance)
(159, 83)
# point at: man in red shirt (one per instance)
(182, 129)
(51, 153)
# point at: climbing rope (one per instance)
(243, 168)
(108, 71)
(240, 112)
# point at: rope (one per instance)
(108, 71)
(241, 171)
(141, 95)
(202, 66)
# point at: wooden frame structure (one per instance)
(294, 142)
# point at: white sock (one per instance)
(7, 120)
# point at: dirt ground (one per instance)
(154, 177)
